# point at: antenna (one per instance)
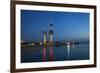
(50, 20)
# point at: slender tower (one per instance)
(51, 33)
(51, 40)
(44, 46)
(44, 38)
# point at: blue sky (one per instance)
(66, 25)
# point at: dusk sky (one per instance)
(66, 25)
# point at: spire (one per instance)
(44, 30)
(51, 24)
(50, 27)
(50, 21)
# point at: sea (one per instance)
(55, 53)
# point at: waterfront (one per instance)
(61, 53)
(54, 36)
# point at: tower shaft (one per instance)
(51, 35)
(44, 38)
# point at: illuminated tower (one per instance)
(51, 34)
(44, 37)
(45, 43)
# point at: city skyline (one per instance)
(67, 25)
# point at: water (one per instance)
(61, 53)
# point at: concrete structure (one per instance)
(44, 37)
(51, 34)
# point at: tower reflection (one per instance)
(44, 54)
(51, 53)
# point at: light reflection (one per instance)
(51, 53)
(69, 47)
(44, 54)
(68, 51)
(73, 46)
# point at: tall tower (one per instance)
(51, 34)
(44, 38)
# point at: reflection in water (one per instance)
(44, 54)
(59, 53)
(68, 51)
(69, 46)
(51, 53)
(73, 45)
